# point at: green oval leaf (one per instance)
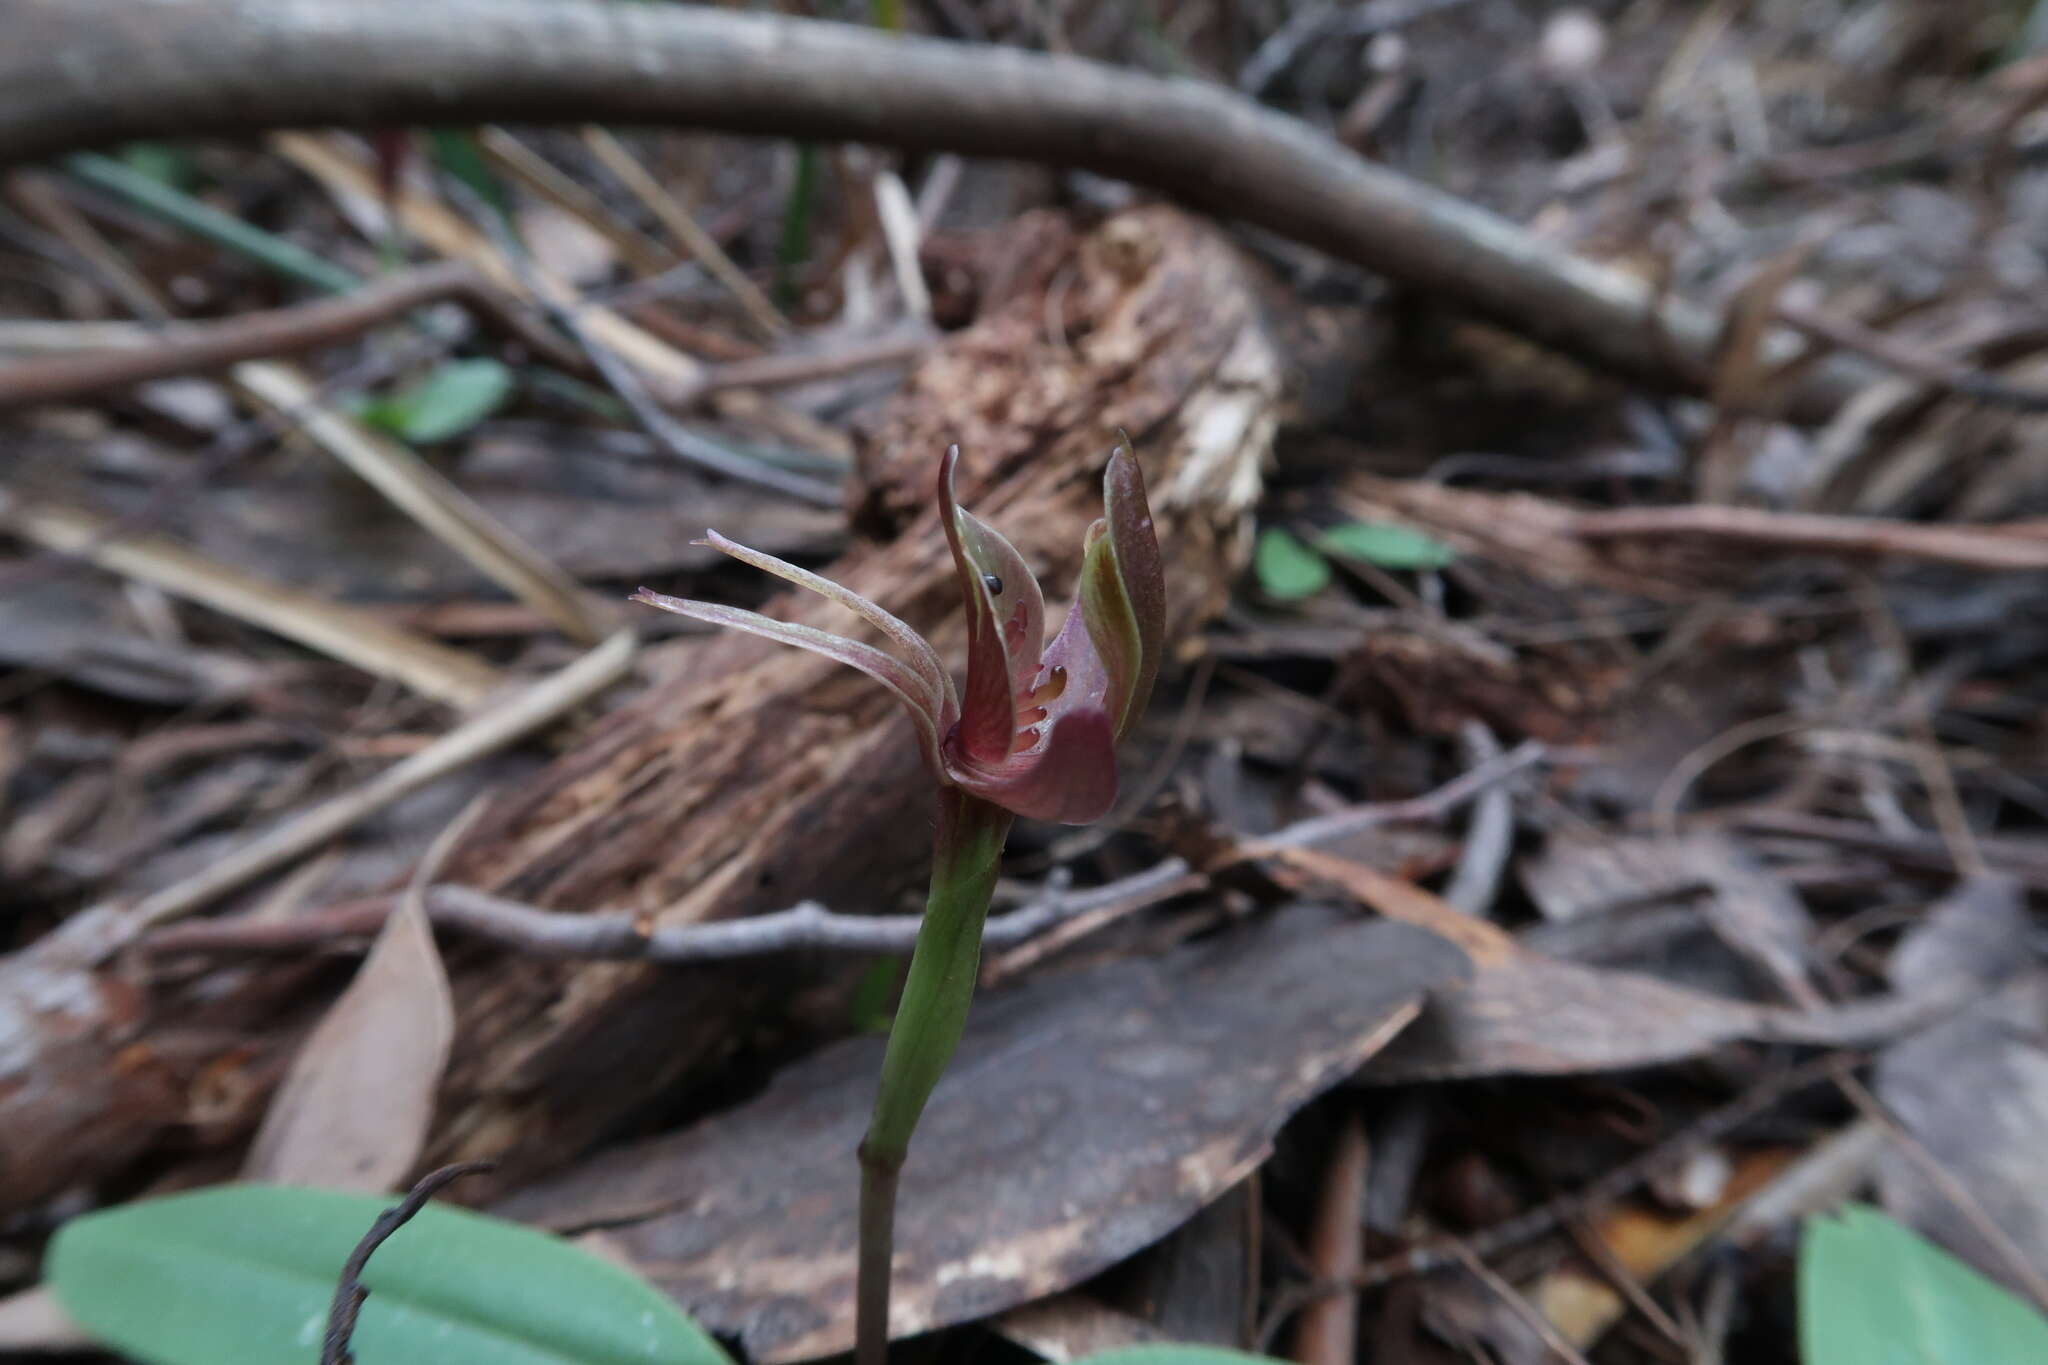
(1175, 1353)
(1387, 545)
(1288, 570)
(446, 403)
(1871, 1292)
(244, 1275)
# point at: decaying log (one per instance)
(756, 776)
(759, 776)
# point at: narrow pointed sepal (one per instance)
(917, 651)
(926, 708)
(1140, 576)
(992, 576)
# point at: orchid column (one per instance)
(1033, 732)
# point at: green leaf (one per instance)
(456, 152)
(169, 163)
(1385, 544)
(449, 401)
(1174, 1354)
(1287, 569)
(244, 1275)
(1872, 1292)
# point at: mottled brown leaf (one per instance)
(1085, 1116)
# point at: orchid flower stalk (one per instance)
(1032, 731)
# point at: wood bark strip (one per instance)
(81, 72)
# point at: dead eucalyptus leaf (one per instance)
(354, 1109)
(1084, 1117)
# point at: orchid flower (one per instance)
(1032, 732)
(1034, 728)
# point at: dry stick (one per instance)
(1894, 354)
(1328, 1331)
(539, 175)
(804, 927)
(701, 245)
(2013, 546)
(350, 1293)
(1512, 1297)
(196, 349)
(347, 633)
(498, 726)
(195, 67)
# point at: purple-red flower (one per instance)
(1034, 728)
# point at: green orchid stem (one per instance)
(966, 852)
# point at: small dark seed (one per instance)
(992, 583)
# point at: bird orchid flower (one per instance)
(1032, 731)
(1034, 727)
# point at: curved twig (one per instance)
(122, 70)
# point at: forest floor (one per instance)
(1692, 735)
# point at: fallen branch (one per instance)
(194, 67)
(200, 348)
(807, 926)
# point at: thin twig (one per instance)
(1894, 354)
(1512, 1297)
(199, 348)
(701, 245)
(1328, 1331)
(350, 1293)
(806, 927)
(1992, 546)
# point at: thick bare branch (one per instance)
(83, 72)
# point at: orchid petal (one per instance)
(988, 704)
(1068, 777)
(886, 669)
(1129, 600)
(920, 654)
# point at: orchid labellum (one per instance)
(1032, 732)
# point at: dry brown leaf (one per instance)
(1583, 1303)
(354, 1109)
(1085, 1116)
(1524, 1013)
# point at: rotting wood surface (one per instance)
(754, 776)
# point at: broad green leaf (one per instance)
(1385, 544)
(1175, 1354)
(449, 401)
(244, 1275)
(1287, 569)
(1872, 1292)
